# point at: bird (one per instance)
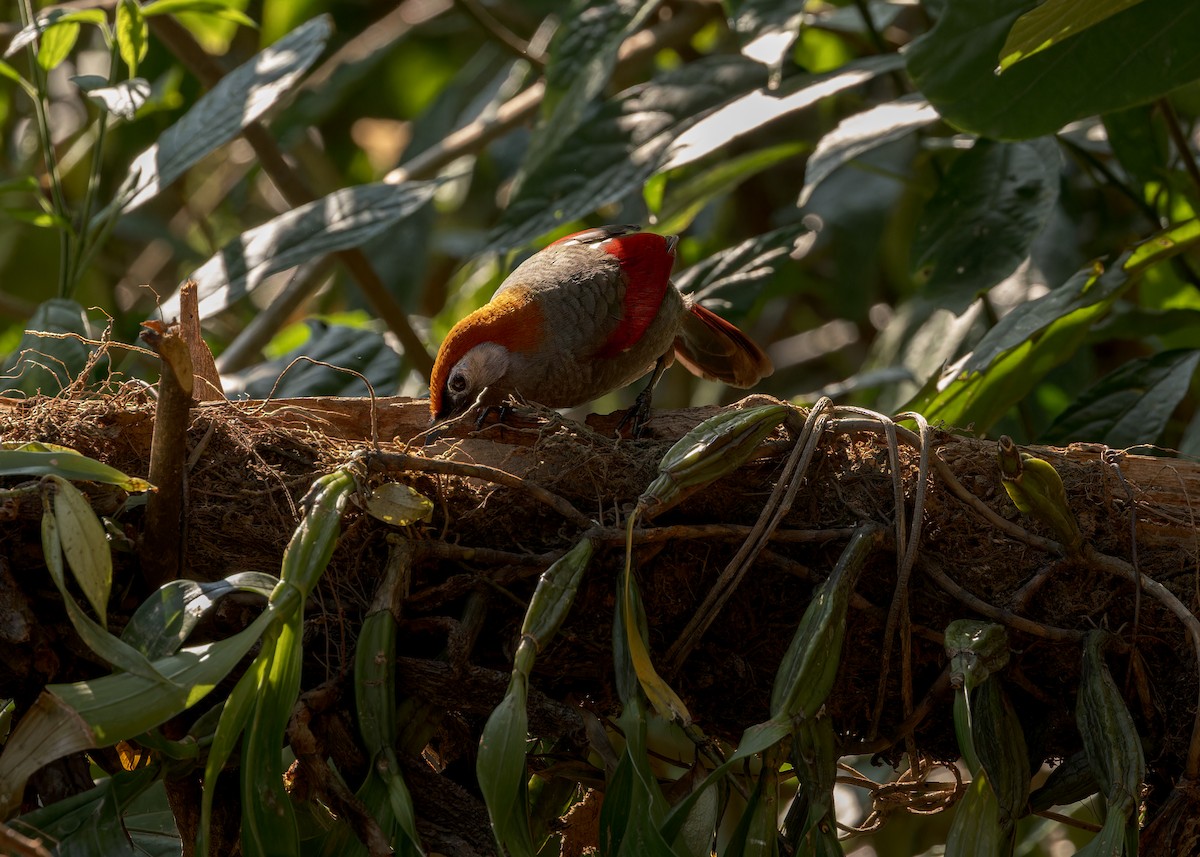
(590, 313)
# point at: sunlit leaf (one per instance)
(1124, 60)
(241, 97)
(133, 35)
(1130, 405)
(57, 41)
(344, 218)
(122, 100)
(36, 459)
(223, 9)
(734, 277)
(1053, 22)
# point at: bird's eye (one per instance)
(457, 383)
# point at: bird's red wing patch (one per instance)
(646, 260)
(512, 319)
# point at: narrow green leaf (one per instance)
(954, 66)
(555, 593)
(57, 41)
(863, 132)
(223, 9)
(345, 218)
(1041, 334)
(1130, 405)
(68, 464)
(40, 218)
(1052, 22)
(133, 34)
(981, 222)
(217, 117)
(83, 544)
(500, 768)
(7, 71)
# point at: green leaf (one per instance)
(863, 132)
(57, 41)
(686, 198)
(7, 71)
(1038, 335)
(133, 35)
(623, 142)
(164, 620)
(954, 66)
(1053, 22)
(767, 29)
(36, 459)
(45, 364)
(217, 117)
(39, 218)
(339, 345)
(223, 9)
(344, 218)
(1130, 405)
(500, 768)
(29, 33)
(982, 221)
(734, 277)
(582, 55)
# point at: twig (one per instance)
(998, 614)
(501, 33)
(932, 696)
(405, 461)
(1180, 140)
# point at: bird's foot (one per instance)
(638, 416)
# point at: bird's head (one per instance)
(475, 354)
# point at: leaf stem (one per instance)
(43, 124)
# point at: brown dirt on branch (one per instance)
(251, 463)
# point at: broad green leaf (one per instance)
(122, 100)
(241, 97)
(164, 620)
(35, 459)
(83, 544)
(68, 718)
(767, 29)
(1039, 335)
(734, 277)
(57, 41)
(863, 132)
(954, 66)
(363, 350)
(93, 822)
(1130, 405)
(623, 142)
(44, 364)
(500, 768)
(1138, 137)
(982, 220)
(344, 218)
(749, 112)
(398, 504)
(582, 55)
(1053, 22)
(133, 34)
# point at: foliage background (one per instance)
(889, 240)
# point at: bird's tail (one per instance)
(712, 348)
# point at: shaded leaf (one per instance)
(45, 364)
(954, 66)
(1129, 406)
(29, 33)
(580, 62)
(339, 345)
(734, 277)
(398, 504)
(240, 98)
(982, 221)
(344, 218)
(863, 132)
(1051, 23)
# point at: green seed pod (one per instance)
(713, 449)
(1109, 735)
(1070, 782)
(1000, 744)
(1037, 490)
